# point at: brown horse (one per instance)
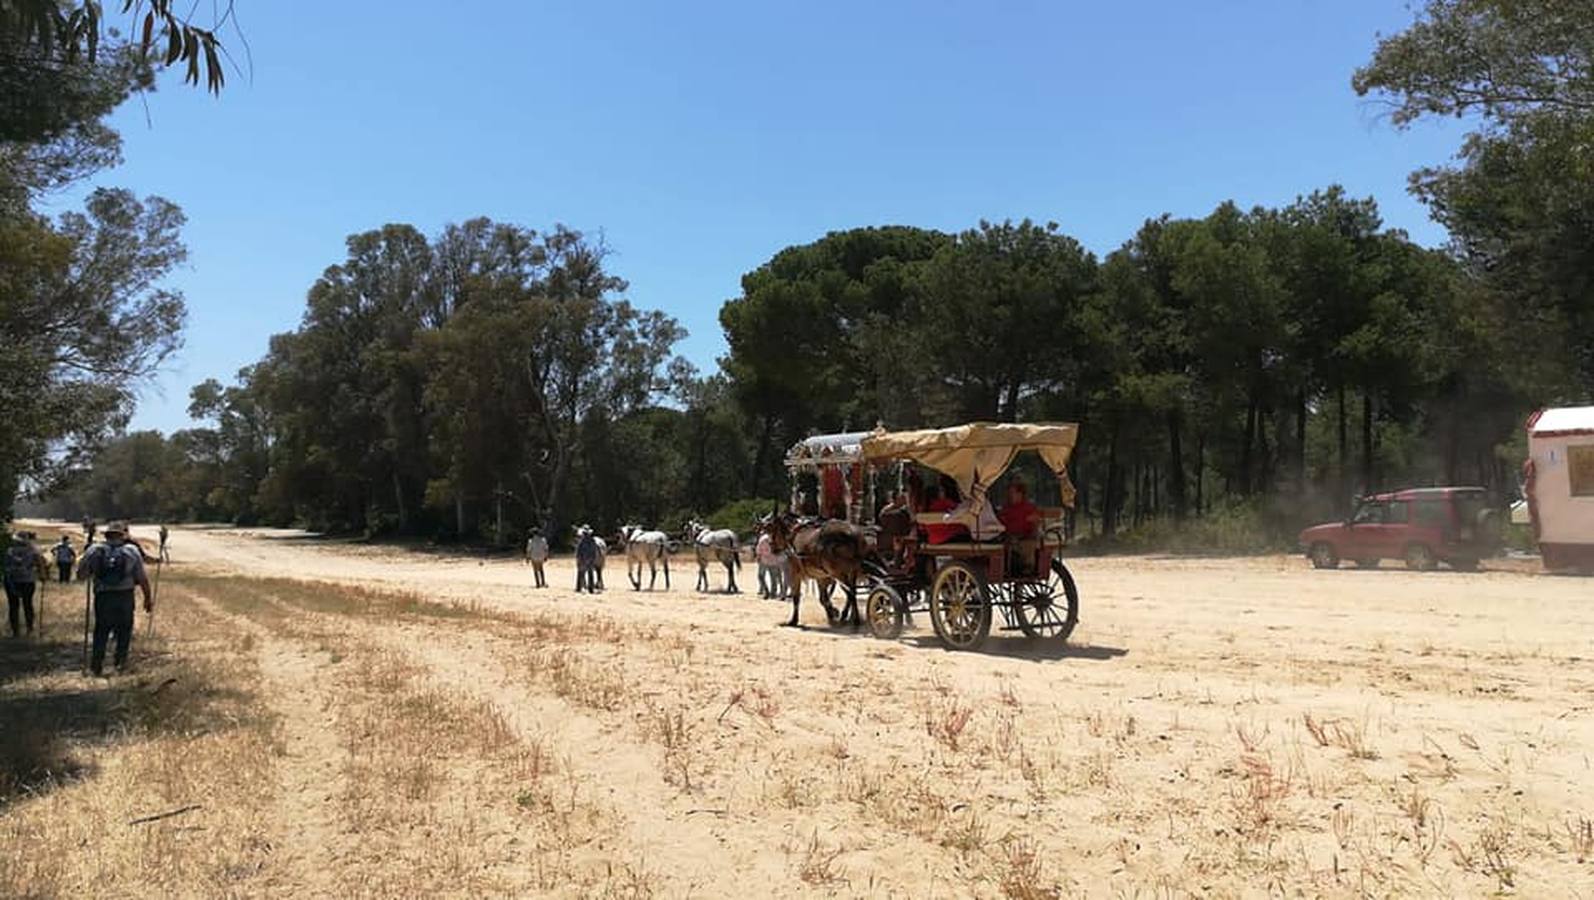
(824, 551)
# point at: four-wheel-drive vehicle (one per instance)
(1423, 527)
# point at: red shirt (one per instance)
(1020, 519)
(940, 534)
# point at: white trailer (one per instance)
(1560, 486)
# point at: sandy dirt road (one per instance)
(1215, 727)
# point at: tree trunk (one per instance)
(1300, 441)
(1245, 447)
(765, 435)
(1342, 501)
(1264, 454)
(1176, 482)
(398, 500)
(1200, 473)
(498, 526)
(1367, 441)
(459, 513)
(1109, 500)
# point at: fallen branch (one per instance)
(142, 820)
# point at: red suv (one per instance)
(1424, 527)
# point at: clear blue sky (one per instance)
(702, 138)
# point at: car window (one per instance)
(1370, 513)
(1431, 513)
(1397, 513)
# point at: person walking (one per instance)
(117, 567)
(65, 556)
(537, 555)
(88, 530)
(165, 555)
(21, 580)
(586, 561)
(771, 569)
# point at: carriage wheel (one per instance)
(960, 607)
(1050, 608)
(885, 610)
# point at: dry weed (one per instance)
(1342, 733)
(1022, 875)
(1581, 833)
(947, 724)
(818, 864)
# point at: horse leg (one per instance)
(666, 570)
(852, 602)
(796, 601)
(636, 582)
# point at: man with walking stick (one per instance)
(116, 568)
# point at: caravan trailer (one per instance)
(1560, 486)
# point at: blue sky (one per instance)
(701, 138)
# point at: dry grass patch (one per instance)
(156, 783)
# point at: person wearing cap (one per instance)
(65, 556)
(22, 563)
(537, 555)
(117, 567)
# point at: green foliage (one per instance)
(1502, 59)
(1520, 204)
(741, 515)
(1232, 529)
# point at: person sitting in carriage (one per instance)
(936, 501)
(1022, 521)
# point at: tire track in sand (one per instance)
(309, 840)
(709, 852)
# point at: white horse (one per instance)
(645, 547)
(719, 545)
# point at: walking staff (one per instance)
(150, 631)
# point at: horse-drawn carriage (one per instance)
(957, 582)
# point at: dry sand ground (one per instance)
(371, 722)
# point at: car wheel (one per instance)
(1419, 558)
(1463, 564)
(1367, 563)
(1324, 557)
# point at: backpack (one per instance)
(113, 567)
(19, 563)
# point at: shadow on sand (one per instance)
(42, 727)
(998, 645)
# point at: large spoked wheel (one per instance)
(885, 610)
(960, 607)
(1050, 608)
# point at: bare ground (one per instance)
(370, 722)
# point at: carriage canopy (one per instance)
(826, 449)
(977, 454)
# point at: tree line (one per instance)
(1270, 361)
(494, 377)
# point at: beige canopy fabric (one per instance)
(977, 454)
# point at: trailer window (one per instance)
(1580, 469)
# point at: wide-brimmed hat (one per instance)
(115, 528)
